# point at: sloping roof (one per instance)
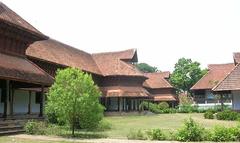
(164, 97)
(124, 91)
(157, 80)
(236, 58)
(216, 73)
(19, 68)
(112, 64)
(59, 53)
(10, 17)
(230, 82)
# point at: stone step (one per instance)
(11, 127)
(10, 132)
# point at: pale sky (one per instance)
(207, 31)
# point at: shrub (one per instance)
(227, 115)
(75, 99)
(136, 135)
(191, 131)
(221, 134)
(163, 105)
(104, 125)
(187, 108)
(156, 134)
(35, 128)
(209, 114)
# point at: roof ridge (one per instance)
(114, 52)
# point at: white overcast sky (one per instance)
(207, 31)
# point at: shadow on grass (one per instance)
(84, 135)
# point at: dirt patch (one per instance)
(51, 138)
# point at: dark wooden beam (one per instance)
(5, 112)
(42, 101)
(29, 102)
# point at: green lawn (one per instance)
(168, 122)
(121, 125)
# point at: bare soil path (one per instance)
(60, 139)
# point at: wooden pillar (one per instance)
(106, 103)
(30, 102)
(42, 101)
(5, 112)
(118, 104)
(11, 99)
(222, 105)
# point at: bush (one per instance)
(191, 131)
(209, 114)
(188, 108)
(136, 135)
(163, 105)
(221, 134)
(227, 115)
(104, 125)
(156, 134)
(35, 128)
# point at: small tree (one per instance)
(75, 99)
(144, 67)
(186, 73)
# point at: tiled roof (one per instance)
(157, 80)
(230, 82)
(59, 53)
(215, 74)
(164, 97)
(112, 64)
(13, 19)
(124, 91)
(19, 68)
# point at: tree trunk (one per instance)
(73, 129)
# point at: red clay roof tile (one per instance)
(59, 53)
(112, 64)
(19, 68)
(157, 80)
(10, 17)
(215, 74)
(230, 82)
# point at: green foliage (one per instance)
(163, 105)
(104, 125)
(209, 114)
(74, 98)
(157, 108)
(186, 74)
(144, 67)
(156, 134)
(35, 128)
(222, 134)
(188, 108)
(136, 135)
(191, 131)
(227, 115)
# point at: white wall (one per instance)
(236, 100)
(35, 107)
(20, 101)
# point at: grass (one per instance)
(167, 122)
(121, 126)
